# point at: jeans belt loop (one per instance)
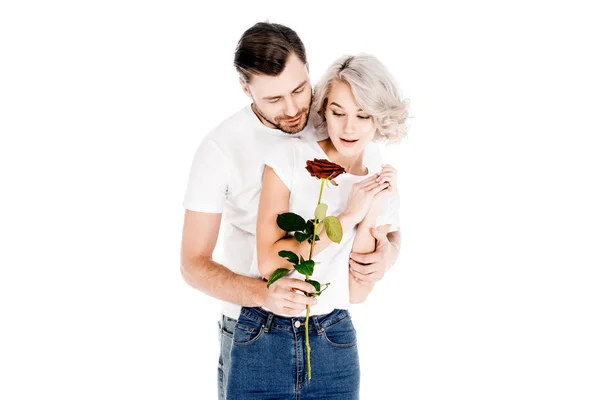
(269, 322)
(316, 324)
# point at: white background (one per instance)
(102, 105)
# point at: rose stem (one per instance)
(312, 244)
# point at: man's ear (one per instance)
(245, 88)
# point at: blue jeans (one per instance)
(268, 357)
(226, 327)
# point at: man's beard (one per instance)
(304, 113)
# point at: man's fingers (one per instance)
(300, 299)
(367, 258)
(289, 308)
(353, 276)
(360, 268)
(297, 284)
(365, 278)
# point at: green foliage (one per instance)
(306, 268)
(292, 257)
(290, 222)
(334, 230)
(278, 274)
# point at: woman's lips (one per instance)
(348, 142)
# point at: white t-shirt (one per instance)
(288, 160)
(226, 177)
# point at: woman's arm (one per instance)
(364, 242)
(270, 239)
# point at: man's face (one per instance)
(282, 102)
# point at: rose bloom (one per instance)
(324, 169)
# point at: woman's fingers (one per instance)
(368, 181)
(378, 187)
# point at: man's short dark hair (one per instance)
(265, 48)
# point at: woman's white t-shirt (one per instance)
(288, 160)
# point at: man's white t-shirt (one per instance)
(226, 177)
(288, 161)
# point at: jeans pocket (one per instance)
(341, 334)
(225, 330)
(247, 331)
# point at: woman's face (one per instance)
(350, 128)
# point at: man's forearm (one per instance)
(216, 280)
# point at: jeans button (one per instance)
(297, 324)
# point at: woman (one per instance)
(355, 103)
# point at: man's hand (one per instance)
(370, 267)
(283, 298)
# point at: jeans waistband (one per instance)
(315, 322)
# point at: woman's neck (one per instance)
(352, 165)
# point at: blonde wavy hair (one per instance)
(374, 90)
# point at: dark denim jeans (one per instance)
(268, 357)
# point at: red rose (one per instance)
(324, 169)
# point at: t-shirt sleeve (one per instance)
(208, 179)
(389, 213)
(281, 158)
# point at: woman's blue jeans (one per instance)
(268, 357)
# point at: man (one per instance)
(225, 180)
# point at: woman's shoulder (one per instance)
(372, 157)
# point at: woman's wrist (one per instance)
(347, 221)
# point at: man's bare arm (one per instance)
(200, 232)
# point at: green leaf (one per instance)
(325, 286)
(306, 268)
(310, 227)
(301, 259)
(316, 284)
(290, 222)
(301, 237)
(321, 211)
(292, 257)
(278, 274)
(334, 230)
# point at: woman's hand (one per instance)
(388, 175)
(361, 197)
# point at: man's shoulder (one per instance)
(229, 128)
(310, 133)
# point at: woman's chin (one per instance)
(353, 150)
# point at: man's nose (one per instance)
(291, 109)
